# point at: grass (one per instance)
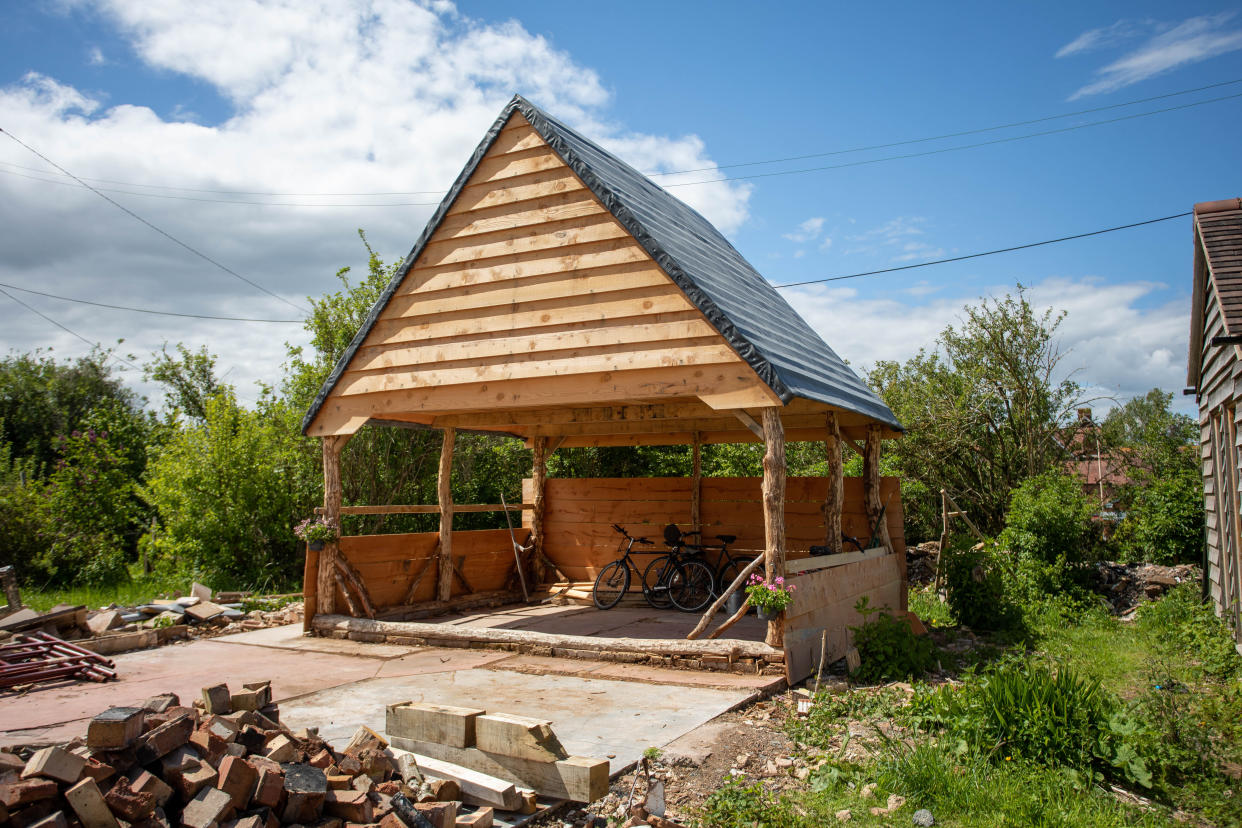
(1165, 731)
(138, 590)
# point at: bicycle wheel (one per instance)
(610, 585)
(730, 571)
(655, 582)
(692, 586)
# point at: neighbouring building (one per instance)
(1215, 375)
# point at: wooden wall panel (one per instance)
(579, 514)
(388, 564)
(823, 605)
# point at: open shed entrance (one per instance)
(560, 297)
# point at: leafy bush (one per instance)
(1182, 623)
(1049, 530)
(1164, 520)
(888, 648)
(1025, 710)
(975, 586)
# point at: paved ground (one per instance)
(598, 708)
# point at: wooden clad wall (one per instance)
(824, 603)
(528, 293)
(388, 564)
(1220, 386)
(579, 513)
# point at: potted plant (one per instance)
(316, 532)
(769, 598)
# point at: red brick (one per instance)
(210, 746)
(270, 786)
(128, 804)
(165, 738)
(238, 780)
(15, 792)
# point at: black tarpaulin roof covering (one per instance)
(757, 322)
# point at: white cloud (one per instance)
(799, 254)
(807, 230)
(329, 96)
(95, 57)
(1114, 344)
(1094, 39)
(1193, 40)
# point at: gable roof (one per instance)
(756, 321)
(1218, 256)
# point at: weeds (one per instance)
(887, 646)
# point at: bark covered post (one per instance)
(871, 486)
(539, 482)
(774, 508)
(444, 491)
(325, 593)
(835, 497)
(696, 483)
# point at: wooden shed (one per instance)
(1215, 373)
(559, 296)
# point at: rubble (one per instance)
(212, 763)
(921, 563)
(1126, 585)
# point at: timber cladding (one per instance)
(530, 291)
(823, 603)
(579, 513)
(389, 564)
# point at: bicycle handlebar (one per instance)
(627, 535)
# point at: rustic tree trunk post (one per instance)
(774, 508)
(836, 486)
(539, 481)
(325, 597)
(444, 577)
(871, 485)
(696, 483)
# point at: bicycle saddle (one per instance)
(672, 535)
(726, 538)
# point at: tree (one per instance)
(984, 410)
(1157, 451)
(189, 380)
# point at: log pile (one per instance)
(224, 761)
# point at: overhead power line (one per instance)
(162, 232)
(64, 328)
(149, 310)
(958, 148)
(825, 154)
(984, 253)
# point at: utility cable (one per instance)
(149, 310)
(954, 149)
(985, 253)
(163, 233)
(66, 329)
(716, 167)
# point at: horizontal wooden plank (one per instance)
(549, 236)
(635, 304)
(610, 279)
(556, 207)
(540, 366)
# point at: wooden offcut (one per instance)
(519, 736)
(578, 778)
(476, 787)
(425, 721)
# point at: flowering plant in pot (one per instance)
(770, 598)
(316, 532)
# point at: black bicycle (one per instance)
(667, 581)
(692, 583)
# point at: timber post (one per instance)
(696, 483)
(325, 593)
(444, 491)
(774, 508)
(835, 497)
(871, 486)
(539, 480)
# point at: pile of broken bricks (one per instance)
(224, 762)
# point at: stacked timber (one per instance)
(513, 749)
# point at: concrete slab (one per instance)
(619, 622)
(592, 717)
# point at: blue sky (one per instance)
(346, 97)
